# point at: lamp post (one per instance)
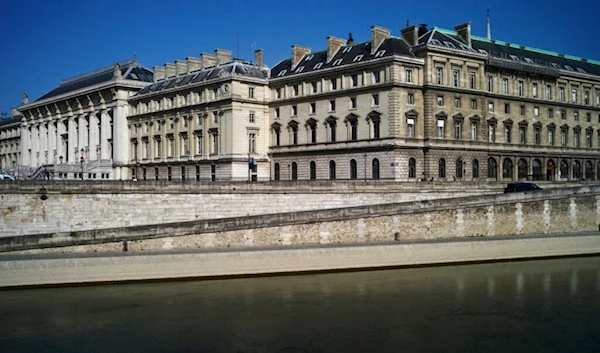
(81, 160)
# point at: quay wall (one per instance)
(555, 211)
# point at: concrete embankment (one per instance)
(36, 270)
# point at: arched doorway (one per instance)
(537, 170)
(522, 169)
(564, 170)
(550, 170)
(589, 171)
(375, 168)
(507, 169)
(492, 168)
(577, 172)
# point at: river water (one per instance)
(532, 306)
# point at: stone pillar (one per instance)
(42, 143)
(25, 145)
(104, 128)
(60, 151)
(71, 156)
(93, 136)
(52, 157)
(120, 140)
(34, 145)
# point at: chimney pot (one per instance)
(223, 56)
(159, 73)
(333, 45)
(350, 39)
(378, 35)
(464, 31)
(170, 70)
(298, 52)
(258, 56)
(410, 35)
(208, 60)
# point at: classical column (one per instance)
(71, 156)
(104, 128)
(81, 142)
(60, 152)
(24, 145)
(35, 137)
(51, 143)
(93, 136)
(120, 140)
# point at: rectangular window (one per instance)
(563, 114)
(296, 90)
(551, 137)
(574, 95)
(536, 111)
(352, 102)
(409, 76)
(520, 88)
(440, 101)
(588, 139)
(586, 97)
(410, 128)
(456, 78)
(490, 84)
(537, 137)
(411, 99)
(563, 138)
(354, 79)
(277, 113)
(456, 102)
(250, 92)
(314, 87)
(294, 110)
(440, 128)
(492, 132)
(561, 94)
(376, 77)
(534, 87)
(332, 105)
(439, 75)
(216, 117)
(548, 92)
(252, 143)
(522, 109)
(333, 84)
(474, 104)
(505, 86)
(576, 139)
(522, 134)
(375, 100)
(457, 130)
(474, 131)
(576, 116)
(550, 113)
(251, 117)
(472, 80)
(507, 131)
(491, 107)
(506, 108)
(588, 117)
(313, 108)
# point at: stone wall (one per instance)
(542, 212)
(71, 207)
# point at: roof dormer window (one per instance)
(581, 70)
(528, 60)
(337, 62)
(346, 49)
(380, 54)
(450, 45)
(482, 51)
(358, 58)
(318, 66)
(569, 68)
(514, 57)
(309, 57)
(299, 69)
(281, 73)
(464, 47)
(436, 42)
(555, 65)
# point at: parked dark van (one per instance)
(517, 187)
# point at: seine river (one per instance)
(533, 306)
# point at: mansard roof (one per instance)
(130, 70)
(347, 54)
(11, 120)
(518, 54)
(231, 69)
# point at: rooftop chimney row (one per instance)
(464, 31)
(378, 35)
(333, 45)
(298, 53)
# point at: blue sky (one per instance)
(44, 41)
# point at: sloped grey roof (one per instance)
(234, 68)
(12, 120)
(346, 55)
(130, 70)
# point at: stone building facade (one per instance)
(203, 119)
(430, 104)
(9, 143)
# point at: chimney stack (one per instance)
(411, 35)
(258, 57)
(378, 35)
(298, 53)
(170, 70)
(422, 29)
(193, 64)
(159, 73)
(333, 45)
(180, 67)
(208, 60)
(223, 56)
(350, 39)
(464, 31)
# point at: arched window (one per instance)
(459, 167)
(537, 169)
(442, 168)
(353, 169)
(492, 168)
(294, 171)
(475, 168)
(507, 168)
(412, 168)
(522, 169)
(313, 170)
(550, 170)
(375, 168)
(589, 171)
(577, 172)
(564, 169)
(277, 177)
(332, 170)
(598, 171)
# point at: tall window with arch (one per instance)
(276, 173)
(332, 170)
(375, 168)
(475, 168)
(507, 168)
(353, 169)
(492, 168)
(442, 168)
(313, 170)
(412, 168)
(294, 172)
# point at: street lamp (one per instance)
(82, 160)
